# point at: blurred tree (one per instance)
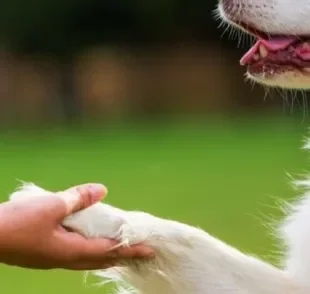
(64, 27)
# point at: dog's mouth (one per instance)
(277, 52)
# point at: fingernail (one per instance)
(97, 192)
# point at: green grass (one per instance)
(219, 175)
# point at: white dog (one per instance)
(189, 260)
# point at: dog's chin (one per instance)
(285, 77)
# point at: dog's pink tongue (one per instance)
(271, 45)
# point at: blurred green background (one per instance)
(149, 99)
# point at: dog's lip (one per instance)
(272, 44)
(275, 42)
(280, 51)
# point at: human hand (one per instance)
(31, 234)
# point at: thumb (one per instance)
(81, 197)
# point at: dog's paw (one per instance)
(99, 220)
(127, 227)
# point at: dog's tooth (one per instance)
(263, 51)
(256, 57)
(291, 49)
(306, 45)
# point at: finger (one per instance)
(101, 265)
(93, 265)
(101, 249)
(132, 251)
(81, 197)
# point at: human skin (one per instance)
(31, 235)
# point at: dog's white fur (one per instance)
(189, 260)
(275, 17)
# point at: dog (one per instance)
(281, 55)
(188, 260)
